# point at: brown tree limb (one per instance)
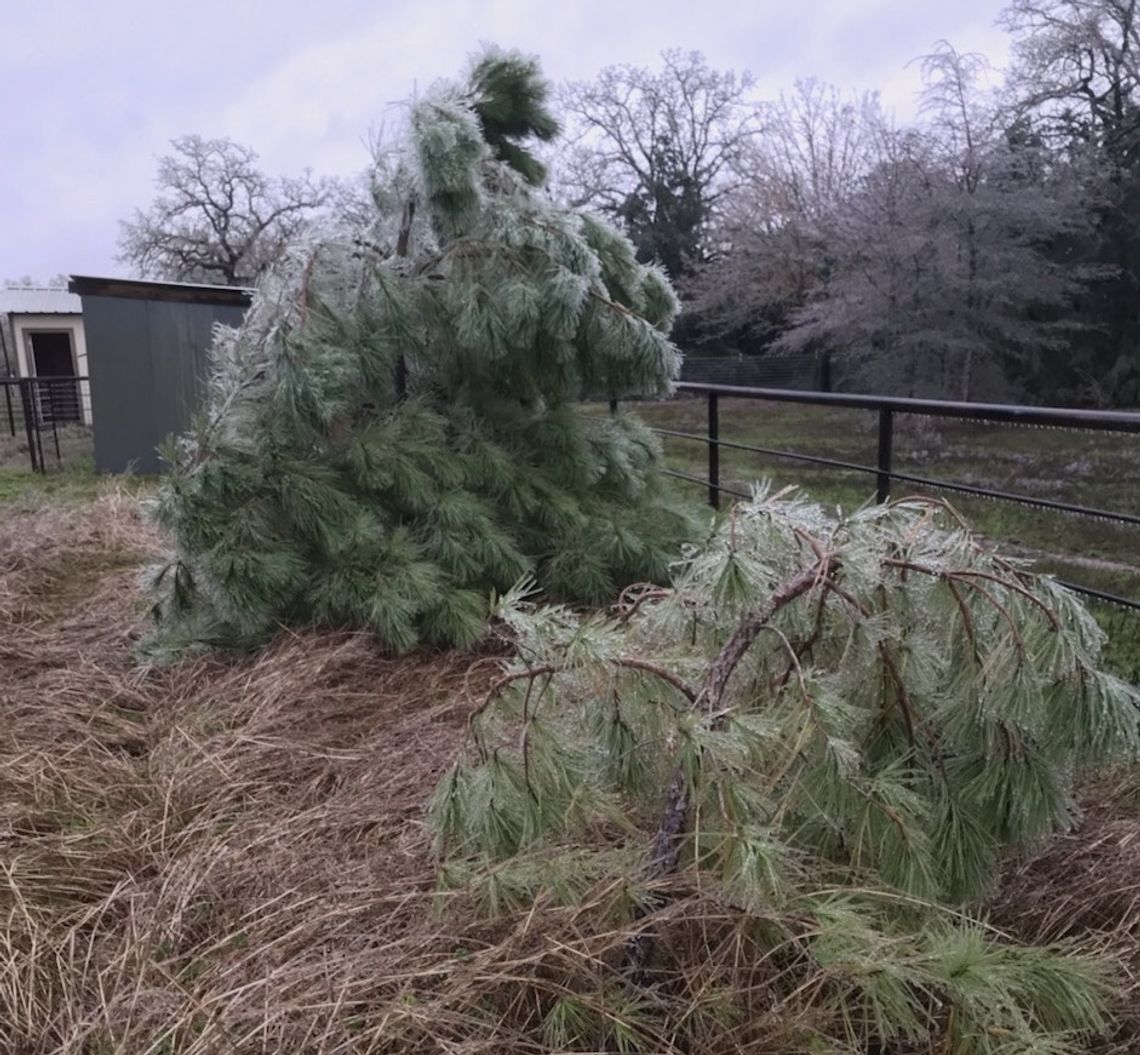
(634, 596)
(627, 662)
(403, 249)
(633, 663)
(665, 849)
(965, 575)
(967, 620)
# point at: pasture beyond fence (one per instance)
(884, 470)
(45, 422)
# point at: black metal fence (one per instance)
(45, 422)
(884, 470)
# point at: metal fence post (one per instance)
(38, 403)
(714, 450)
(27, 399)
(11, 416)
(613, 406)
(54, 402)
(886, 440)
(825, 372)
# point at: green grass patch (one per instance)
(22, 490)
(1092, 469)
(1098, 470)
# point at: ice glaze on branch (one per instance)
(665, 849)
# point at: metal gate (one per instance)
(45, 422)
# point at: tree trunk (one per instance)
(968, 375)
(403, 248)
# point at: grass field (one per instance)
(229, 855)
(68, 448)
(1098, 470)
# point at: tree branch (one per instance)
(664, 852)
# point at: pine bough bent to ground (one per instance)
(831, 730)
(394, 432)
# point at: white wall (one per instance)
(23, 325)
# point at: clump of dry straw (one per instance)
(228, 855)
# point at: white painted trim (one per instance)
(24, 325)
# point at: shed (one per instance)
(42, 335)
(148, 344)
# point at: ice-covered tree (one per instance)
(1076, 80)
(217, 218)
(818, 745)
(773, 241)
(395, 432)
(946, 272)
(655, 150)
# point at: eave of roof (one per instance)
(144, 289)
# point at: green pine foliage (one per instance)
(907, 708)
(394, 432)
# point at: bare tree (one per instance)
(217, 217)
(1076, 78)
(657, 150)
(942, 274)
(818, 144)
(767, 249)
(1079, 56)
(58, 281)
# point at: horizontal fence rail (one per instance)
(45, 422)
(888, 408)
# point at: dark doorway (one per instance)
(58, 400)
(52, 354)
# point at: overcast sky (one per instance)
(92, 91)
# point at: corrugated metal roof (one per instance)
(22, 301)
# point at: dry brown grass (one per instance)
(223, 853)
(1085, 886)
(228, 856)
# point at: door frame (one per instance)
(49, 398)
(24, 322)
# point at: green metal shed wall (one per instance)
(147, 364)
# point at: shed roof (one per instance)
(145, 289)
(22, 300)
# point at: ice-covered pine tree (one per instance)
(394, 432)
(771, 793)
